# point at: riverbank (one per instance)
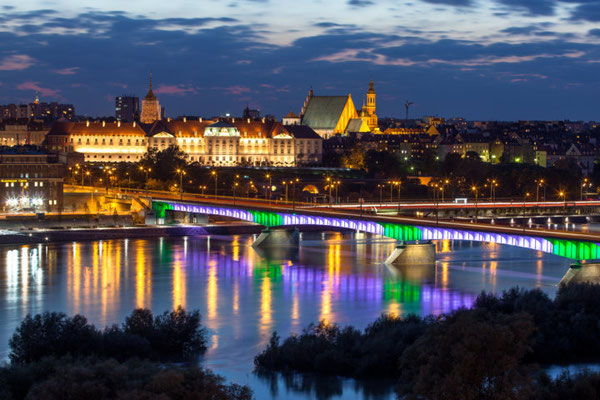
(105, 233)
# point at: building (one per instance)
(47, 112)
(368, 111)
(337, 115)
(30, 180)
(222, 142)
(151, 110)
(22, 132)
(127, 108)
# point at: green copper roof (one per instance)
(324, 112)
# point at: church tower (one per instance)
(369, 110)
(150, 107)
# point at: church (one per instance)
(337, 115)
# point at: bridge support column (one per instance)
(412, 254)
(277, 237)
(581, 273)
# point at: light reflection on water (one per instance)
(244, 294)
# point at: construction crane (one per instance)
(407, 105)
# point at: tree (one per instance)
(355, 159)
(471, 355)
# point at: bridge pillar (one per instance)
(582, 272)
(413, 254)
(277, 237)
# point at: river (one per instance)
(244, 296)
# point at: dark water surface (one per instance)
(244, 296)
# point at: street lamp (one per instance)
(524, 201)
(295, 181)
(147, 171)
(475, 189)
(380, 194)
(286, 183)
(583, 184)
(563, 194)
(216, 176)
(268, 176)
(235, 184)
(181, 173)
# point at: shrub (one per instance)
(174, 336)
(102, 379)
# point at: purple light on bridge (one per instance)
(528, 242)
(222, 211)
(365, 226)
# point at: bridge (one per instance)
(572, 245)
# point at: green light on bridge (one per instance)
(575, 250)
(267, 218)
(402, 232)
(160, 208)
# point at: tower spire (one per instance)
(150, 94)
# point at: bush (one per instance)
(559, 331)
(173, 336)
(330, 350)
(102, 379)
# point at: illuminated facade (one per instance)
(30, 181)
(228, 142)
(150, 107)
(337, 115)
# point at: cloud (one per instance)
(587, 12)
(66, 71)
(176, 90)
(457, 3)
(530, 7)
(16, 62)
(360, 3)
(46, 92)
(236, 89)
(594, 32)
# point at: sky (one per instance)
(476, 59)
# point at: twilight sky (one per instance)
(477, 59)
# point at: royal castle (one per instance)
(215, 142)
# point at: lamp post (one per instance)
(181, 173)
(564, 196)
(524, 205)
(337, 185)
(583, 184)
(286, 183)
(268, 191)
(216, 176)
(294, 195)
(475, 189)
(399, 184)
(235, 184)
(380, 194)
(147, 171)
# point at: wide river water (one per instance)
(244, 296)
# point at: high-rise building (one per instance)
(151, 110)
(127, 108)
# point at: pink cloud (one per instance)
(66, 71)
(46, 92)
(16, 62)
(118, 84)
(237, 89)
(176, 90)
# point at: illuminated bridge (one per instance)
(572, 245)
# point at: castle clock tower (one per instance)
(150, 107)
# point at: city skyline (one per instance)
(487, 60)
